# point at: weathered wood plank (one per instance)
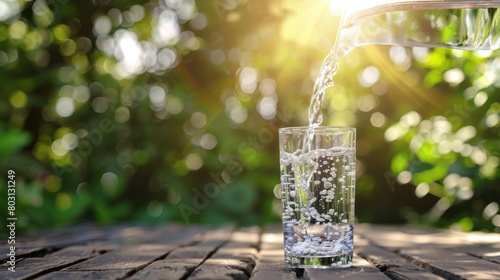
(244, 266)
(271, 265)
(190, 252)
(271, 262)
(398, 237)
(22, 252)
(172, 234)
(86, 275)
(248, 237)
(391, 264)
(78, 252)
(183, 261)
(217, 272)
(36, 266)
(452, 264)
(236, 258)
(272, 238)
(361, 270)
(478, 237)
(18, 275)
(490, 252)
(164, 269)
(267, 272)
(214, 238)
(130, 257)
(247, 256)
(484, 245)
(182, 235)
(60, 238)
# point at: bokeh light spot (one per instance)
(267, 107)
(479, 156)
(137, 12)
(199, 21)
(167, 31)
(18, 99)
(122, 114)
(277, 191)
(100, 104)
(422, 190)
(377, 119)
(167, 57)
(496, 220)
(238, 114)
(454, 76)
(367, 103)
(61, 32)
(466, 133)
(217, 57)
(109, 182)
(369, 76)
(208, 141)
(155, 208)
(8, 9)
(411, 119)
(489, 169)
(267, 86)
(490, 210)
(58, 149)
(129, 53)
(18, 30)
(69, 141)
(481, 98)
(198, 120)
(186, 10)
(52, 183)
(68, 47)
(404, 177)
(248, 79)
(194, 161)
(65, 107)
(174, 105)
(157, 95)
(492, 120)
(81, 93)
(63, 202)
(102, 26)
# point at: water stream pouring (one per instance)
(459, 24)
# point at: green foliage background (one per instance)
(184, 129)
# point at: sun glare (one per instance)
(307, 23)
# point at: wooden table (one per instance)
(196, 252)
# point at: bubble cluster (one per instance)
(318, 202)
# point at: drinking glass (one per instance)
(318, 177)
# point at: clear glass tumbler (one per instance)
(318, 178)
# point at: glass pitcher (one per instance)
(460, 24)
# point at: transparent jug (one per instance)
(461, 24)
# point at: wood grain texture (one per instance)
(37, 266)
(452, 265)
(86, 275)
(130, 257)
(390, 263)
(165, 269)
(181, 252)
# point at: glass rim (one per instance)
(303, 129)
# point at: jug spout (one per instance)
(469, 25)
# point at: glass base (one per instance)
(340, 261)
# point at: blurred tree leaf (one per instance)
(12, 142)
